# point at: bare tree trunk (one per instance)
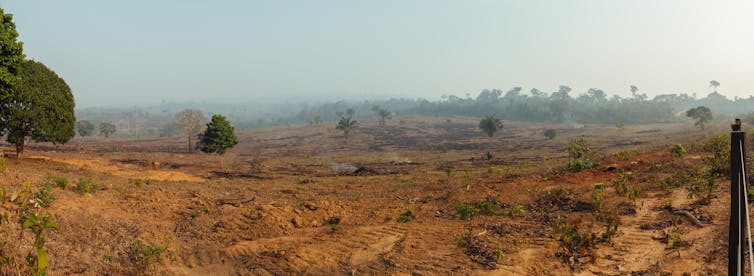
(188, 134)
(19, 150)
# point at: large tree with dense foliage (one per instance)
(107, 129)
(85, 128)
(41, 109)
(11, 56)
(192, 121)
(701, 114)
(218, 137)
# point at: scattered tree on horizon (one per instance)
(714, 84)
(218, 137)
(701, 114)
(550, 133)
(41, 109)
(346, 124)
(384, 114)
(192, 121)
(490, 125)
(85, 128)
(107, 129)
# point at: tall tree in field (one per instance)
(490, 125)
(40, 109)
(192, 121)
(107, 129)
(85, 128)
(219, 137)
(384, 114)
(714, 84)
(346, 124)
(701, 114)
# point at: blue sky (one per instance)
(138, 51)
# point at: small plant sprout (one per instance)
(518, 210)
(407, 216)
(499, 254)
(37, 225)
(334, 228)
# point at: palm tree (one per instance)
(346, 124)
(490, 125)
(714, 84)
(383, 113)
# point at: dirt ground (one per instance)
(301, 200)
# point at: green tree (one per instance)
(85, 128)
(107, 129)
(550, 133)
(701, 114)
(11, 57)
(714, 84)
(346, 124)
(40, 109)
(490, 125)
(192, 121)
(218, 137)
(383, 113)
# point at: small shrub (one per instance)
(136, 182)
(334, 228)
(59, 181)
(678, 151)
(676, 240)
(518, 210)
(85, 185)
(499, 254)
(43, 197)
(37, 225)
(407, 216)
(550, 133)
(145, 254)
(466, 211)
(597, 195)
(580, 155)
(719, 160)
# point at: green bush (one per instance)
(407, 216)
(466, 211)
(85, 185)
(146, 254)
(59, 181)
(580, 155)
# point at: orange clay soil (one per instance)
(300, 200)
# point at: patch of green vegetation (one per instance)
(597, 194)
(407, 216)
(678, 151)
(136, 182)
(518, 210)
(144, 254)
(580, 155)
(466, 211)
(334, 228)
(59, 181)
(37, 225)
(85, 185)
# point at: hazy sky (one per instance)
(141, 51)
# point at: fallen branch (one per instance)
(689, 216)
(234, 201)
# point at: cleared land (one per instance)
(301, 200)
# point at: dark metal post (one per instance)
(738, 204)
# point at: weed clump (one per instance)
(144, 254)
(407, 216)
(580, 155)
(85, 185)
(466, 211)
